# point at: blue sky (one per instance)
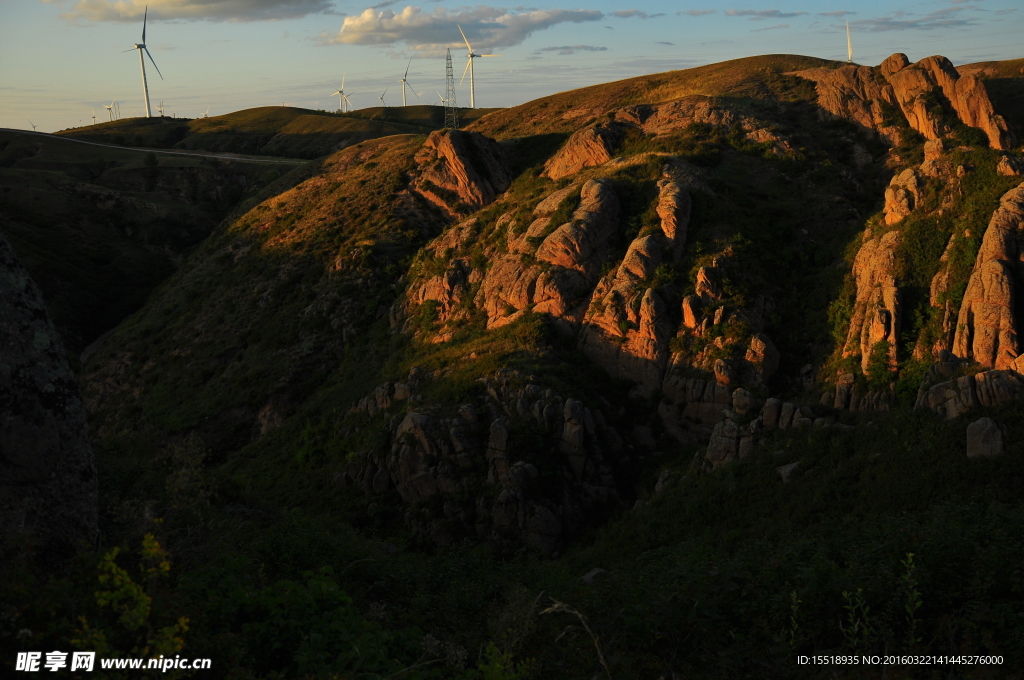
(62, 60)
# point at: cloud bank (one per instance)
(485, 26)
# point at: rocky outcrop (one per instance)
(627, 328)
(857, 94)
(461, 172)
(448, 460)
(987, 327)
(876, 311)
(47, 476)
(593, 146)
(558, 277)
(901, 196)
(586, 148)
(984, 439)
(953, 398)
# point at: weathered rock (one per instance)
(987, 328)
(575, 252)
(1009, 166)
(984, 439)
(953, 398)
(763, 355)
(876, 312)
(786, 472)
(674, 205)
(48, 490)
(901, 196)
(461, 171)
(586, 148)
(853, 93)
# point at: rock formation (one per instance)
(586, 148)
(453, 458)
(461, 172)
(876, 312)
(856, 94)
(47, 477)
(987, 327)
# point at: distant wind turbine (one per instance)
(141, 47)
(160, 109)
(849, 45)
(34, 126)
(342, 97)
(406, 82)
(381, 97)
(110, 110)
(206, 114)
(469, 68)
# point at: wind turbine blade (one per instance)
(411, 88)
(131, 50)
(465, 38)
(144, 16)
(385, 91)
(154, 63)
(468, 64)
(343, 81)
(488, 55)
(407, 69)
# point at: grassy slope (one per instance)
(751, 77)
(701, 578)
(98, 228)
(271, 130)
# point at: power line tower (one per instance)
(451, 112)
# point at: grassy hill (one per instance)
(225, 416)
(271, 130)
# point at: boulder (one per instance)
(984, 439)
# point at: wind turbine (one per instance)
(34, 126)
(469, 67)
(110, 110)
(94, 116)
(141, 47)
(342, 97)
(849, 45)
(206, 114)
(381, 97)
(405, 82)
(160, 109)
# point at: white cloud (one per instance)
(485, 27)
(762, 14)
(210, 10)
(698, 12)
(628, 13)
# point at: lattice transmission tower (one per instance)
(451, 111)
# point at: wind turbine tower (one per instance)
(141, 47)
(34, 126)
(451, 113)
(849, 45)
(342, 97)
(94, 116)
(405, 82)
(469, 67)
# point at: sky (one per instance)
(61, 61)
